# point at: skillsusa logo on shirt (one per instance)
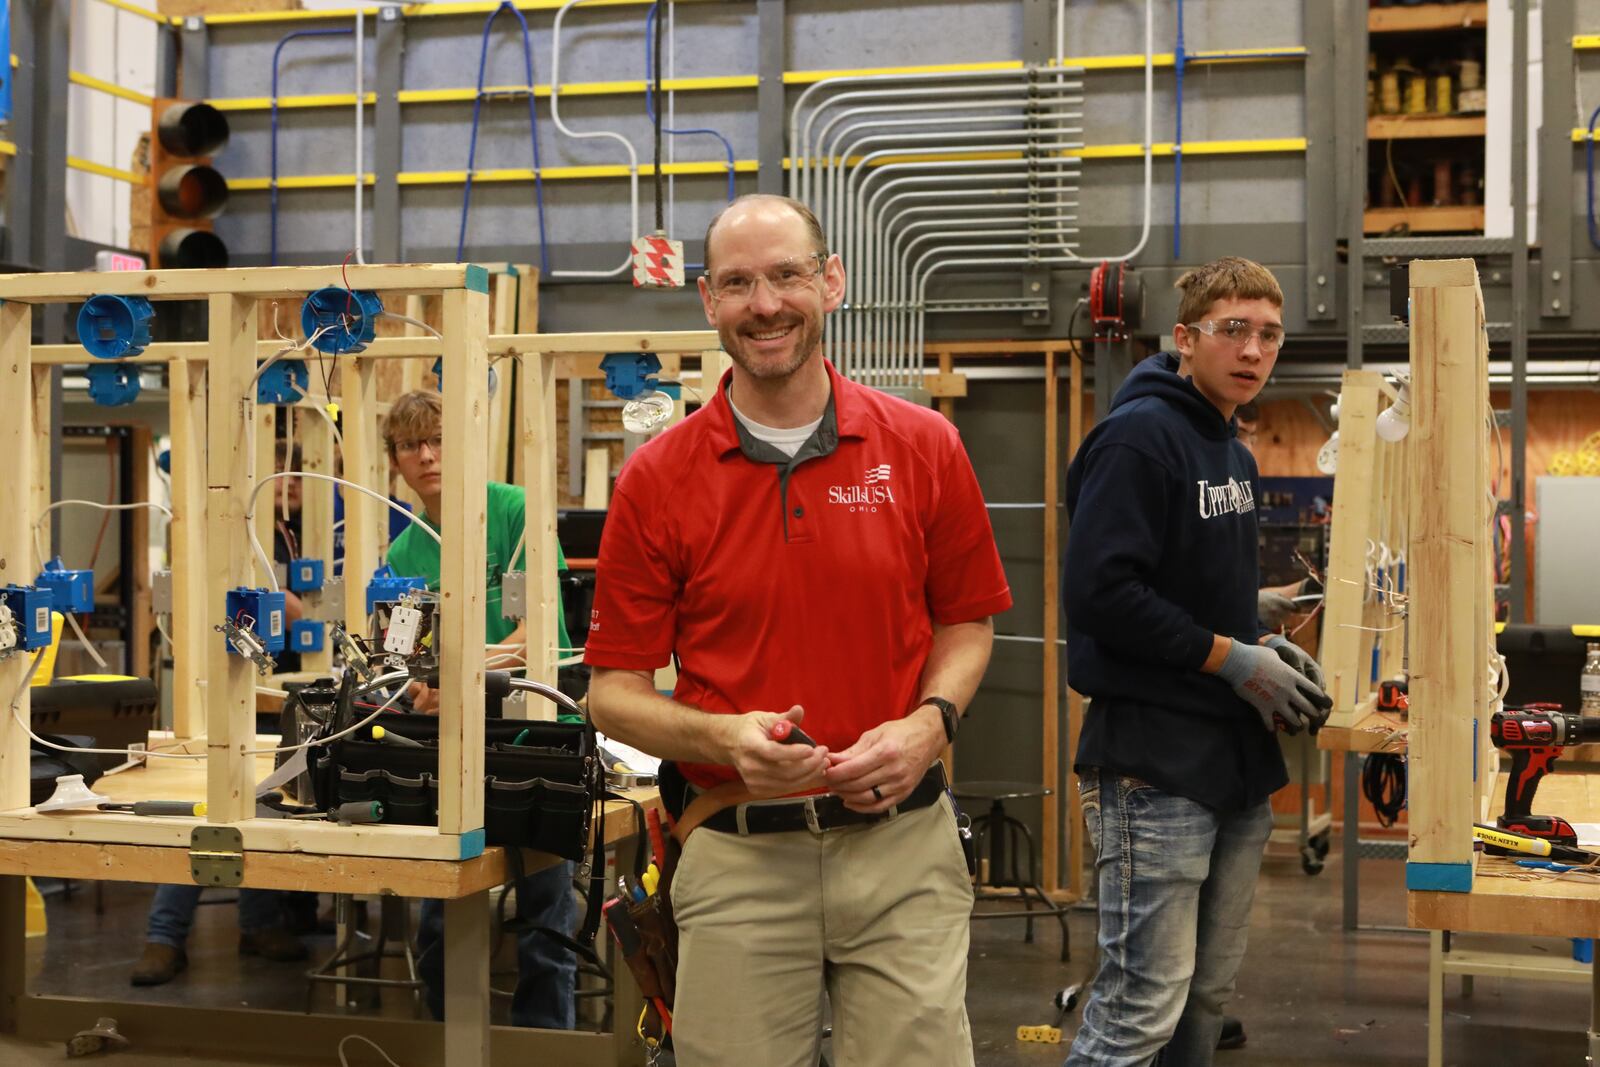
(1234, 497)
(873, 490)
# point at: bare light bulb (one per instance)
(1395, 421)
(1328, 455)
(644, 413)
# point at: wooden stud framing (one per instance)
(1452, 598)
(362, 521)
(230, 687)
(1074, 701)
(16, 541)
(500, 405)
(188, 550)
(462, 566)
(266, 462)
(538, 436)
(597, 478)
(40, 399)
(292, 283)
(316, 516)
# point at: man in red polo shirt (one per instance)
(816, 552)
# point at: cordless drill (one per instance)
(1536, 735)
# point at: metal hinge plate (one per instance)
(216, 855)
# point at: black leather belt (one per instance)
(825, 811)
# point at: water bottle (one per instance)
(1591, 680)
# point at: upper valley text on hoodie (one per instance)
(1161, 554)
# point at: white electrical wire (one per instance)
(38, 546)
(633, 157)
(16, 714)
(250, 514)
(321, 409)
(410, 321)
(360, 1037)
(83, 639)
(346, 732)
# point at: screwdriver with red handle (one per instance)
(787, 733)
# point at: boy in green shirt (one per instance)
(546, 972)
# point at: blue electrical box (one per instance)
(305, 635)
(259, 611)
(629, 374)
(31, 607)
(284, 382)
(73, 590)
(112, 385)
(115, 327)
(386, 587)
(347, 319)
(305, 575)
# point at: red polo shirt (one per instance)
(814, 581)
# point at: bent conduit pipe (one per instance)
(633, 157)
(272, 182)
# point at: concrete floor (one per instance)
(1308, 993)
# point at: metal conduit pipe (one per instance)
(966, 80)
(900, 307)
(855, 195)
(920, 321)
(959, 172)
(633, 158)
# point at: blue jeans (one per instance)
(1176, 880)
(172, 912)
(547, 972)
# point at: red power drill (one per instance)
(1535, 735)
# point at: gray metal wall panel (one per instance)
(840, 34)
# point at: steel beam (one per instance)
(195, 71)
(1555, 159)
(1350, 56)
(1319, 19)
(772, 106)
(387, 132)
(1519, 305)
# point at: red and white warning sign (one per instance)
(657, 263)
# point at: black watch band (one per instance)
(947, 712)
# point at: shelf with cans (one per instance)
(1426, 121)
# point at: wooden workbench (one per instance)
(463, 884)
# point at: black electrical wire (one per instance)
(655, 96)
(1383, 783)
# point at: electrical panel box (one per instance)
(30, 608)
(306, 635)
(305, 575)
(259, 611)
(73, 590)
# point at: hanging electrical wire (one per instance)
(652, 102)
(272, 184)
(533, 124)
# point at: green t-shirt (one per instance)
(416, 555)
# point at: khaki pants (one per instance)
(877, 916)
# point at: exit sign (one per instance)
(118, 261)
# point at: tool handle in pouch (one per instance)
(658, 938)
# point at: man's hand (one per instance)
(1297, 657)
(1272, 608)
(886, 763)
(770, 768)
(423, 699)
(1282, 696)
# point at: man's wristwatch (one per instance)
(947, 712)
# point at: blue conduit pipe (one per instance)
(533, 124)
(273, 183)
(1588, 148)
(650, 104)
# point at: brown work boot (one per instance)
(274, 943)
(159, 965)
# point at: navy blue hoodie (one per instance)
(1162, 554)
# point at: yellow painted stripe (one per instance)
(135, 9)
(7, 148)
(91, 167)
(299, 181)
(264, 103)
(1584, 630)
(90, 82)
(1584, 42)
(409, 11)
(806, 77)
(750, 166)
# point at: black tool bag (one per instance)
(541, 779)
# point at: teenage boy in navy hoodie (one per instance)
(1179, 752)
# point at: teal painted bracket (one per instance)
(472, 844)
(1439, 877)
(477, 278)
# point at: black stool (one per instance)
(1013, 875)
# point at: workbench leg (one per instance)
(13, 950)
(1352, 839)
(1594, 1014)
(626, 1001)
(466, 980)
(1435, 998)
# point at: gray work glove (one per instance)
(1282, 696)
(1298, 658)
(1273, 608)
